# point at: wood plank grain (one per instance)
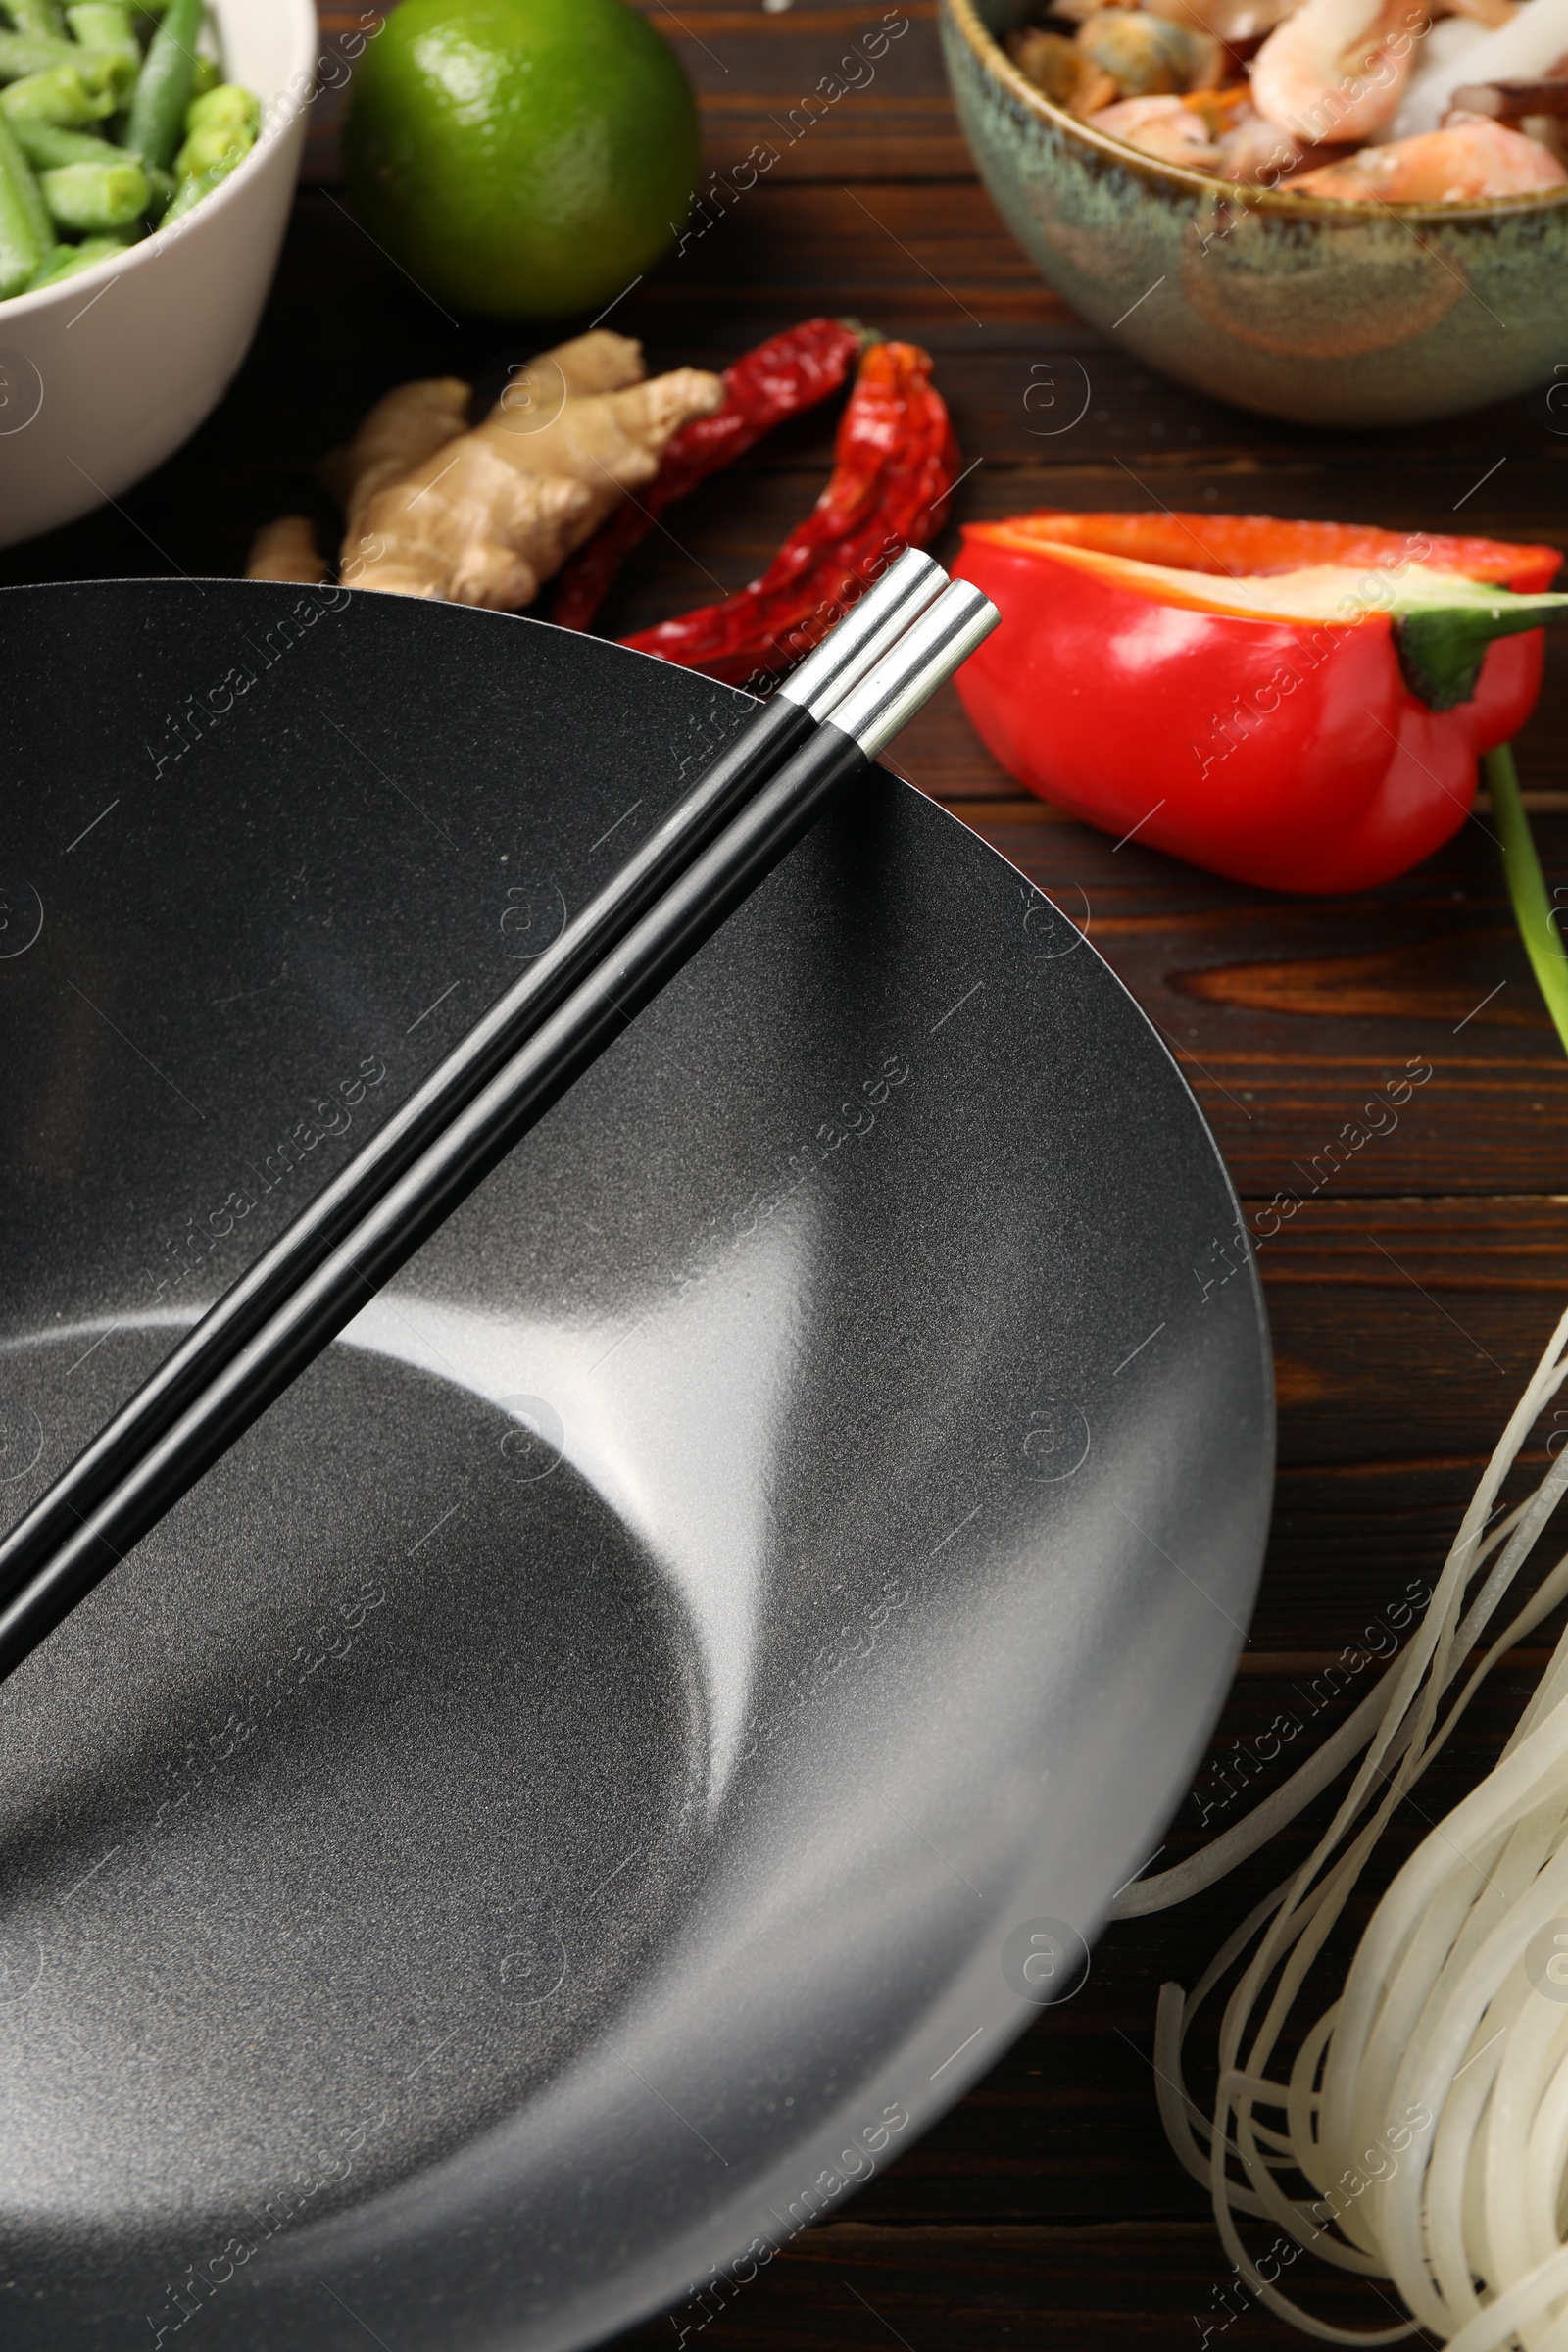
(1426, 979)
(1281, 1079)
(1071, 2289)
(1403, 1332)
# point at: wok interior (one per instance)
(578, 1744)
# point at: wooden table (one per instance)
(1410, 1294)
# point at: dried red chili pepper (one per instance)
(895, 460)
(781, 377)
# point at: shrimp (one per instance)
(1146, 56)
(1255, 150)
(1231, 20)
(1337, 69)
(1166, 127)
(1471, 159)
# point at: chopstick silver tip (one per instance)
(864, 633)
(928, 652)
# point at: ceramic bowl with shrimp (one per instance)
(1340, 211)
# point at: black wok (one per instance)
(635, 1729)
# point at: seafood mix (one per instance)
(1394, 101)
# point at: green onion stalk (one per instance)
(1527, 886)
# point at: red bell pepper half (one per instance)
(1299, 704)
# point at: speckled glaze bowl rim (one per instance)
(994, 59)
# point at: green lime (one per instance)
(521, 158)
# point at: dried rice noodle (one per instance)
(1427, 2109)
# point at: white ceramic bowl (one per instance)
(103, 375)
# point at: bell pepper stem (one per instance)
(1527, 888)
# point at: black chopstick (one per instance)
(326, 1290)
(760, 746)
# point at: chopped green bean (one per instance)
(108, 73)
(220, 128)
(168, 76)
(40, 17)
(102, 25)
(61, 96)
(185, 130)
(68, 261)
(46, 145)
(29, 53)
(103, 29)
(115, 71)
(190, 192)
(224, 103)
(92, 197)
(43, 20)
(205, 150)
(24, 232)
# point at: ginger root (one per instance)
(485, 536)
(286, 550)
(411, 423)
(483, 517)
(600, 360)
(400, 432)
